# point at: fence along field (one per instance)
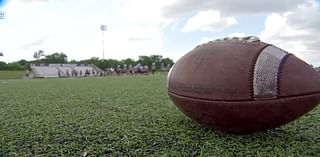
(127, 116)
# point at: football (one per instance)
(242, 85)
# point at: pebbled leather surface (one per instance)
(297, 78)
(217, 71)
(214, 85)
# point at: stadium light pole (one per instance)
(103, 29)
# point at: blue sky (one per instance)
(143, 27)
(2, 2)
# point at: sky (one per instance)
(170, 28)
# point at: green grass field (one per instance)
(127, 116)
(12, 74)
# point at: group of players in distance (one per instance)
(138, 69)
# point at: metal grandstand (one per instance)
(65, 70)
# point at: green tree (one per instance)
(112, 63)
(128, 61)
(38, 54)
(156, 58)
(167, 61)
(103, 64)
(3, 65)
(14, 66)
(73, 62)
(92, 60)
(145, 60)
(24, 63)
(56, 58)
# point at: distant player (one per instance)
(124, 69)
(168, 68)
(93, 73)
(112, 71)
(130, 69)
(162, 68)
(153, 68)
(146, 70)
(141, 69)
(118, 70)
(27, 73)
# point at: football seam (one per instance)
(247, 100)
(251, 72)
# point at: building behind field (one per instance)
(65, 70)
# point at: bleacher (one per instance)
(45, 72)
(64, 70)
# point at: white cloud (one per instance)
(296, 31)
(237, 34)
(139, 27)
(209, 20)
(231, 7)
(72, 27)
(220, 14)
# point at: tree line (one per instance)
(41, 58)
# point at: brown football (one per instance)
(242, 85)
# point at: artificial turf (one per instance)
(127, 116)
